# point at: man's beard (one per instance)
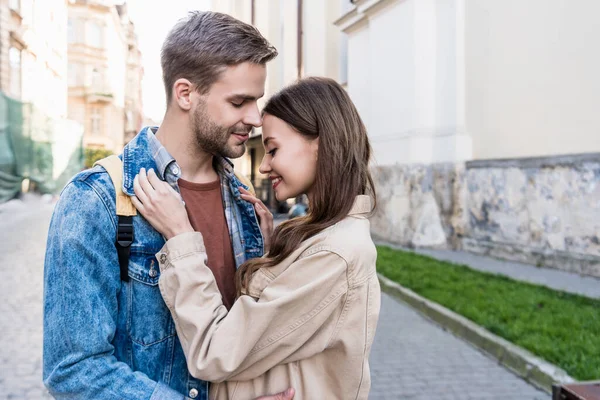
(212, 137)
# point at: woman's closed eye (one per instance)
(272, 152)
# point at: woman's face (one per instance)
(290, 160)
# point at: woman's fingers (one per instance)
(258, 204)
(139, 191)
(137, 204)
(153, 179)
(145, 184)
(265, 217)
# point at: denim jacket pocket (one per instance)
(149, 318)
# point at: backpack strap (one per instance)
(125, 212)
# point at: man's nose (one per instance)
(253, 117)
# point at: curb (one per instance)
(533, 369)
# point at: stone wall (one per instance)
(543, 211)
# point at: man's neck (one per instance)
(196, 165)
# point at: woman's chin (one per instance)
(283, 196)
(280, 197)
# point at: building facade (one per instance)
(105, 73)
(33, 53)
(37, 142)
(134, 113)
(482, 119)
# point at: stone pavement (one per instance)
(23, 230)
(411, 358)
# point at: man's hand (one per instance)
(287, 395)
(264, 216)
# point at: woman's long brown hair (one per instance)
(319, 108)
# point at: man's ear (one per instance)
(182, 91)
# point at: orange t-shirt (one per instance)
(204, 204)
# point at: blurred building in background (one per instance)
(104, 73)
(37, 143)
(134, 113)
(482, 116)
(70, 78)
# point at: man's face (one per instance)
(223, 118)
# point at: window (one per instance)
(15, 5)
(14, 59)
(71, 31)
(94, 35)
(95, 120)
(97, 80)
(74, 75)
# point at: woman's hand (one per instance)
(265, 218)
(160, 204)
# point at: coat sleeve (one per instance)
(256, 334)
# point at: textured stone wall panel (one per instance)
(539, 211)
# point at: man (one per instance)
(108, 337)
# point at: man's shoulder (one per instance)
(93, 180)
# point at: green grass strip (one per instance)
(561, 328)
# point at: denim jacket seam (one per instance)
(152, 343)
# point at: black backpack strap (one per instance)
(123, 243)
(125, 213)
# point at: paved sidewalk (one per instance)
(412, 358)
(552, 278)
(23, 231)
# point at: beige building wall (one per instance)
(455, 80)
(533, 86)
(98, 70)
(405, 77)
(33, 53)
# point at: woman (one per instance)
(306, 312)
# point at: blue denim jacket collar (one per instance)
(137, 154)
(145, 151)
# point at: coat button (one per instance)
(152, 273)
(193, 393)
(163, 258)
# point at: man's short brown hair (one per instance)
(199, 47)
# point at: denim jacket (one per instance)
(109, 339)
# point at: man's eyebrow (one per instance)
(243, 96)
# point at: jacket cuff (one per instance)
(180, 246)
(163, 392)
